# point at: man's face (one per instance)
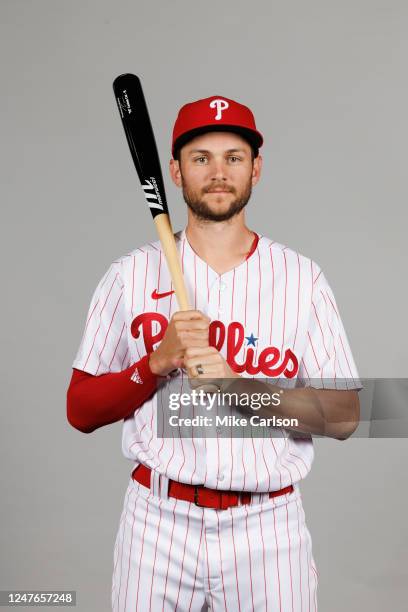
(216, 174)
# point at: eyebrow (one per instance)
(228, 151)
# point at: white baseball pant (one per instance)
(172, 555)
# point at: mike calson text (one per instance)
(200, 398)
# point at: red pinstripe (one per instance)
(195, 282)
(235, 557)
(100, 322)
(300, 459)
(250, 557)
(208, 289)
(317, 277)
(199, 548)
(168, 558)
(273, 296)
(130, 551)
(256, 471)
(222, 573)
(155, 553)
(321, 329)
(242, 461)
(277, 559)
(184, 552)
(298, 300)
(266, 465)
(332, 335)
(263, 560)
(116, 347)
(144, 291)
(123, 536)
(305, 368)
(219, 294)
(314, 352)
(284, 306)
(141, 552)
(259, 302)
(345, 355)
(300, 558)
(246, 294)
(232, 459)
(133, 284)
(90, 316)
(276, 457)
(123, 360)
(290, 563)
(208, 568)
(295, 464)
(161, 411)
(107, 333)
(232, 300)
(333, 306)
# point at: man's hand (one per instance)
(213, 364)
(186, 329)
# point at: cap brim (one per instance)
(254, 138)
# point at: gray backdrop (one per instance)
(326, 82)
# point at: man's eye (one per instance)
(234, 158)
(201, 159)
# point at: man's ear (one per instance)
(256, 169)
(175, 172)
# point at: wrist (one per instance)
(154, 365)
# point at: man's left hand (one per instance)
(213, 364)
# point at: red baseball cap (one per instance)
(215, 113)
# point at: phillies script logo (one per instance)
(270, 361)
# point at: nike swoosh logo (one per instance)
(157, 296)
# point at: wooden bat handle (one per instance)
(165, 231)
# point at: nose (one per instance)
(218, 170)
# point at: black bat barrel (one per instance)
(139, 133)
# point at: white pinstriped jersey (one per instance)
(274, 315)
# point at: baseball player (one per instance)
(215, 522)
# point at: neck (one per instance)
(223, 245)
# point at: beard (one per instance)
(196, 203)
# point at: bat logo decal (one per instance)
(153, 199)
(124, 104)
(220, 105)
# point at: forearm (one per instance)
(95, 401)
(325, 412)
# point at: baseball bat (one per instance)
(142, 144)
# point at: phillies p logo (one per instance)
(220, 105)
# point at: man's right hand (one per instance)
(187, 328)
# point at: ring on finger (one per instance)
(199, 368)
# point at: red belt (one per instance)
(200, 495)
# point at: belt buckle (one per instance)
(220, 497)
(196, 497)
(197, 503)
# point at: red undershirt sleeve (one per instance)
(95, 401)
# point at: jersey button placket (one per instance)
(222, 286)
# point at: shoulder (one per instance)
(151, 251)
(292, 260)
